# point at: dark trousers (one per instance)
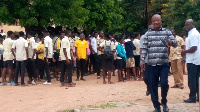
(88, 65)
(69, 71)
(81, 66)
(94, 61)
(47, 69)
(193, 80)
(154, 73)
(99, 64)
(31, 69)
(145, 76)
(20, 66)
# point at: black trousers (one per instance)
(145, 75)
(31, 69)
(154, 73)
(81, 67)
(20, 66)
(47, 69)
(193, 80)
(69, 71)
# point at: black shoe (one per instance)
(197, 100)
(147, 93)
(189, 101)
(165, 108)
(157, 110)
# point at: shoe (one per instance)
(16, 84)
(197, 100)
(83, 79)
(165, 108)
(12, 83)
(47, 83)
(9, 84)
(175, 86)
(157, 110)
(181, 87)
(2, 84)
(190, 101)
(147, 93)
(98, 77)
(33, 82)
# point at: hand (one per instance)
(54, 60)
(86, 58)
(183, 53)
(32, 59)
(142, 64)
(47, 60)
(67, 61)
(78, 58)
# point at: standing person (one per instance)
(130, 62)
(40, 55)
(48, 55)
(88, 65)
(156, 45)
(121, 57)
(7, 57)
(21, 46)
(146, 70)
(66, 58)
(136, 52)
(192, 53)
(99, 53)
(107, 58)
(93, 51)
(113, 47)
(176, 61)
(81, 53)
(1, 54)
(184, 58)
(32, 58)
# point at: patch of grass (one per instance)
(66, 111)
(108, 105)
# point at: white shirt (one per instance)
(48, 43)
(93, 43)
(136, 42)
(20, 45)
(7, 47)
(31, 47)
(193, 39)
(65, 44)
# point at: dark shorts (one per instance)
(120, 64)
(8, 64)
(137, 60)
(107, 64)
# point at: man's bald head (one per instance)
(156, 21)
(189, 24)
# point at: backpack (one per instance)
(108, 53)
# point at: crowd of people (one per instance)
(148, 57)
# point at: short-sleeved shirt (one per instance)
(114, 45)
(136, 43)
(31, 47)
(175, 53)
(193, 39)
(7, 46)
(40, 48)
(20, 45)
(81, 48)
(65, 44)
(93, 43)
(48, 43)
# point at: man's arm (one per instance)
(27, 52)
(13, 52)
(65, 53)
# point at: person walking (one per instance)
(156, 42)
(192, 54)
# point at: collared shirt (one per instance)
(136, 43)
(81, 48)
(7, 46)
(175, 53)
(193, 39)
(65, 44)
(156, 46)
(129, 46)
(20, 45)
(93, 43)
(48, 43)
(31, 47)
(99, 41)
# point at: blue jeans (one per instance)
(156, 72)
(193, 80)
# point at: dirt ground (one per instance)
(53, 98)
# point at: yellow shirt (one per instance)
(81, 48)
(40, 48)
(175, 53)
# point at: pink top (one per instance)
(88, 49)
